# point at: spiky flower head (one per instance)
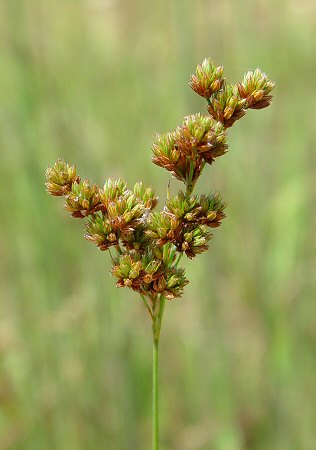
(166, 155)
(163, 227)
(256, 89)
(148, 276)
(208, 78)
(128, 269)
(228, 102)
(112, 190)
(123, 216)
(195, 241)
(137, 240)
(146, 195)
(175, 282)
(184, 152)
(83, 199)
(191, 239)
(184, 222)
(126, 212)
(227, 106)
(60, 178)
(204, 209)
(201, 137)
(101, 231)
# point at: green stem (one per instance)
(178, 260)
(147, 306)
(157, 320)
(189, 183)
(155, 396)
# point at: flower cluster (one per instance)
(208, 78)
(123, 215)
(60, 178)
(201, 139)
(185, 220)
(149, 275)
(149, 244)
(227, 106)
(119, 217)
(229, 102)
(83, 199)
(256, 89)
(185, 151)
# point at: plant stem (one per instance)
(155, 396)
(157, 320)
(147, 306)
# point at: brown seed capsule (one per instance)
(216, 85)
(185, 246)
(228, 112)
(112, 237)
(171, 234)
(160, 284)
(211, 215)
(148, 278)
(258, 95)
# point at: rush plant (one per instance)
(146, 245)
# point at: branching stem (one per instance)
(147, 306)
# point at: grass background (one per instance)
(92, 81)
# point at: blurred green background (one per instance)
(92, 81)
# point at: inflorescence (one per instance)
(148, 244)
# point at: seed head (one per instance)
(195, 241)
(148, 243)
(112, 190)
(163, 227)
(136, 240)
(208, 78)
(255, 89)
(148, 276)
(101, 232)
(60, 178)
(201, 137)
(227, 106)
(83, 199)
(166, 155)
(185, 151)
(146, 195)
(203, 209)
(126, 212)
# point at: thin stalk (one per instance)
(155, 396)
(118, 248)
(147, 306)
(157, 320)
(178, 260)
(189, 182)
